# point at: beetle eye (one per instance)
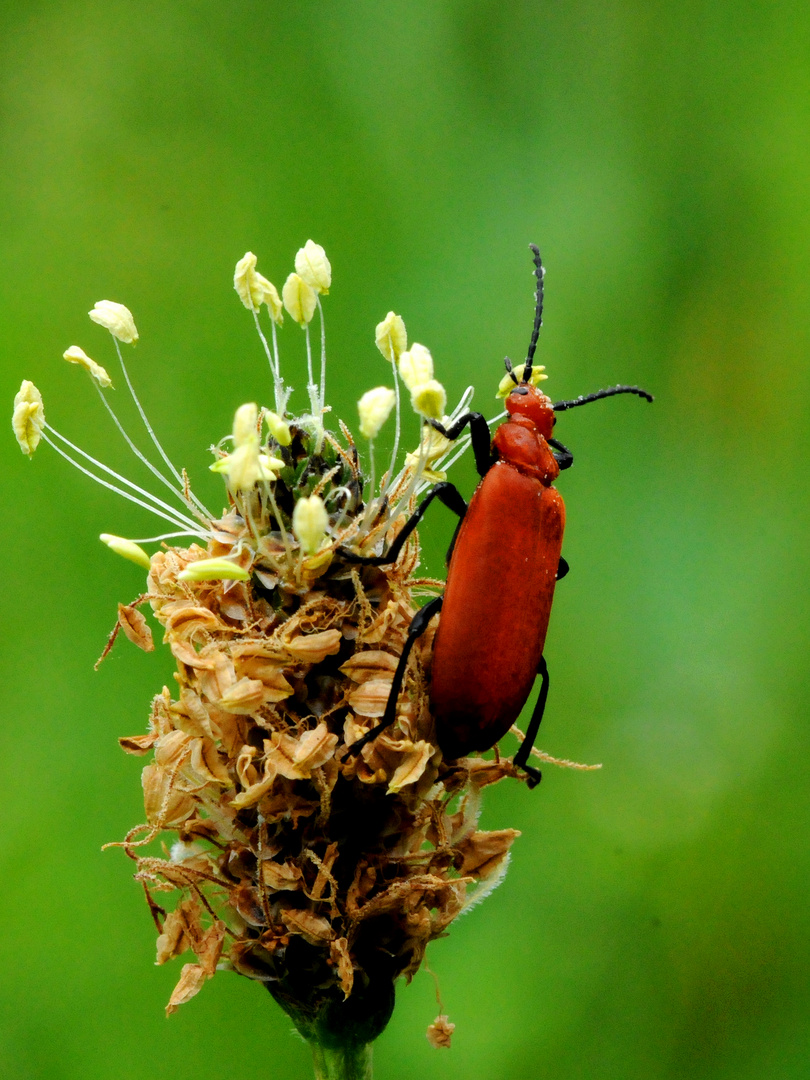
(522, 390)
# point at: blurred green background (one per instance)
(654, 923)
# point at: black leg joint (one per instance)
(479, 436)
(562, 568)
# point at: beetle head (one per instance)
(528, 402)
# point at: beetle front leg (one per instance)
(445, 492)
(419, 624)
(480, 438)
(522, 756)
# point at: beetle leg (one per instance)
(564, 457)
(522, 756)
(562, 568)
(419, 624)
(445, 492)
(479, 436)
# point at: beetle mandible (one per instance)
(503, 565)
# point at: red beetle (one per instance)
(503, 565)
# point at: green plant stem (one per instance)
(351, 1061)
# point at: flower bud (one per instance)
(75, 355)
(416, 366)
(117, 319)
(28, 418)
(213, 570)
(508, 384)
(429, 399)
(391, 337)
(312, 265)
(127, 549)
(299, 299)
(310, 522)
(374, 408)
(254, 289)
(278, 428)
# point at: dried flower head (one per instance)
(321, 873)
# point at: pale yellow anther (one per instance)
(310, 521)
(278, 428)
(429, 399)
(312, 265)
(117, 319)
(255, 290)
(246, 424)
(245, 467)
(391, 337)
(213, 570)
(75, 355)
(374, 408)
(127, 549)
(299, 299)
(433, 446)
(28, 418)
(416, 366)
(508, 384)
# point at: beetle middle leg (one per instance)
(445, 492)
(419, 624)
(522, 756)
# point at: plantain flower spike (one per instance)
(255, 290)
(374, 408)
(269, 847)
(117, 319)
(310, 521)
(127, 549)
(391, 337)
(416, 366)
(313, 267)
(28, 418)
(75, 355)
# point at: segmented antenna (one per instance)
(585, 399)
(507, 363)
(539, 273)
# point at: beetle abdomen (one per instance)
(500, 584)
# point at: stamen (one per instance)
(148, 427)
(177, 517)
(145, 460)
(114, 487)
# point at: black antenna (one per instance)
(585, 399)
(507, 363)
(539, 273)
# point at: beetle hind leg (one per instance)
(419, 624)
(522, 756)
